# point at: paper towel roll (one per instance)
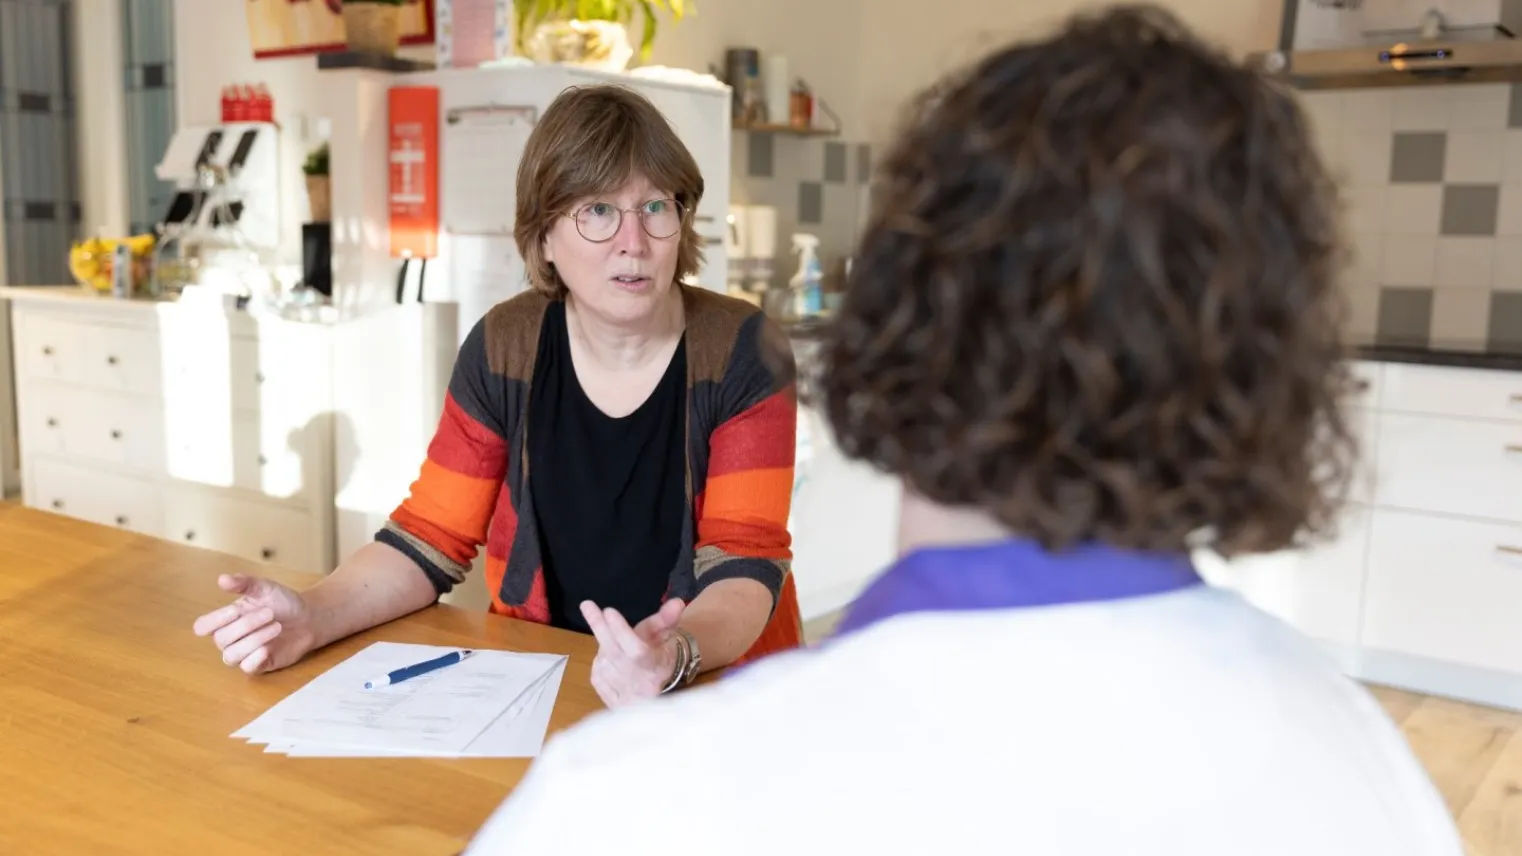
(762, 223)
(778, 81)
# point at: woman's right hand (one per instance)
(268, 627)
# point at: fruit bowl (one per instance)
(92, 260)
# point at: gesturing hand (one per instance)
(632, 663)
(268, 627)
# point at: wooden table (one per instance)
(114, 717)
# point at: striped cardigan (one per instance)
(741, 425)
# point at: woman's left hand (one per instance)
(632, 663)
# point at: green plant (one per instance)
(317, 160)
(532, 13)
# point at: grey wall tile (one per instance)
(810, 203)
(759, 160)
(1505, 322)
(1418, 157)
(1470, 209)
(834, 162)
(863, 164)
(1405, 317)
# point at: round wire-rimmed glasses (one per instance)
(600, 221)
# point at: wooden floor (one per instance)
(1474, 755)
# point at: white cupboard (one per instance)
(1422, 587)
(199, 426)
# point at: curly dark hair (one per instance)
(1097, 299)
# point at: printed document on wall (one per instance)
(482, 148)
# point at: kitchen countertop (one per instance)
(1477, 356)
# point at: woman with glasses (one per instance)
(621, 443)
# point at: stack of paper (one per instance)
(493, 704)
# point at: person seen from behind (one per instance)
(1093, 326)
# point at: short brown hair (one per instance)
(1097, 299)
(589, 141)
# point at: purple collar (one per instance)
(1011, 574)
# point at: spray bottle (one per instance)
(807, 283)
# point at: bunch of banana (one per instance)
(91, 260)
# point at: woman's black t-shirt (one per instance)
(608, 493)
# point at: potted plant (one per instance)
(319, 190)
(590, 32)
(373, 26)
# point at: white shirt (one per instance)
(1181, 724)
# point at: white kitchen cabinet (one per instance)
(1445, 588)
(1423, 586)
(188, 423)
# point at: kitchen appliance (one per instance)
(1326, 44)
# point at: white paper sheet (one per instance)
(482, 706)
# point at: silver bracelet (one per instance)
(678, 672)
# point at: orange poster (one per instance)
(412, 190)
(288, 27)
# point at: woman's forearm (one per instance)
(373, 586)
(726, 619)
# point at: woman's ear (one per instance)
(544, 248)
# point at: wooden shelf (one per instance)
(377, 62)
(769, 128)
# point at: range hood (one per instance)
(1342, 44)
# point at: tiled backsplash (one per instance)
(1432, 180)
(818, 185)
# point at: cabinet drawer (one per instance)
(1449, 391)
(106, 498)
(244, 528)
(101, 426)
(98, 356)
(253, 451)
(1430, 463)
(1445, 589)
(49, 348)
(1319, 590)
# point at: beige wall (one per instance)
(863, 57)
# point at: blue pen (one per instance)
(423, 668)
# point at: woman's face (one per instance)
(617, 252)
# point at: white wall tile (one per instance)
(1368, 110)
(1367, 207)
(1409, 261)
(1474, 157)
(1511, 156)
(1478, 107)
(1414, 209)
(1422, 108)
(1365, 259)
(1324, 110)
(1366, 156)
(1506, 273)
(1509, 211)
(1465, 261)
(1459, 317)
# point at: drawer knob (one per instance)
(110, 361)
(47, 350)
(263, 460)
(191, 535)
(267, 553)
(1510, 551)
(116, 435)
(258, 377)
(52, 423)
(121, 520)
(57, 503)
